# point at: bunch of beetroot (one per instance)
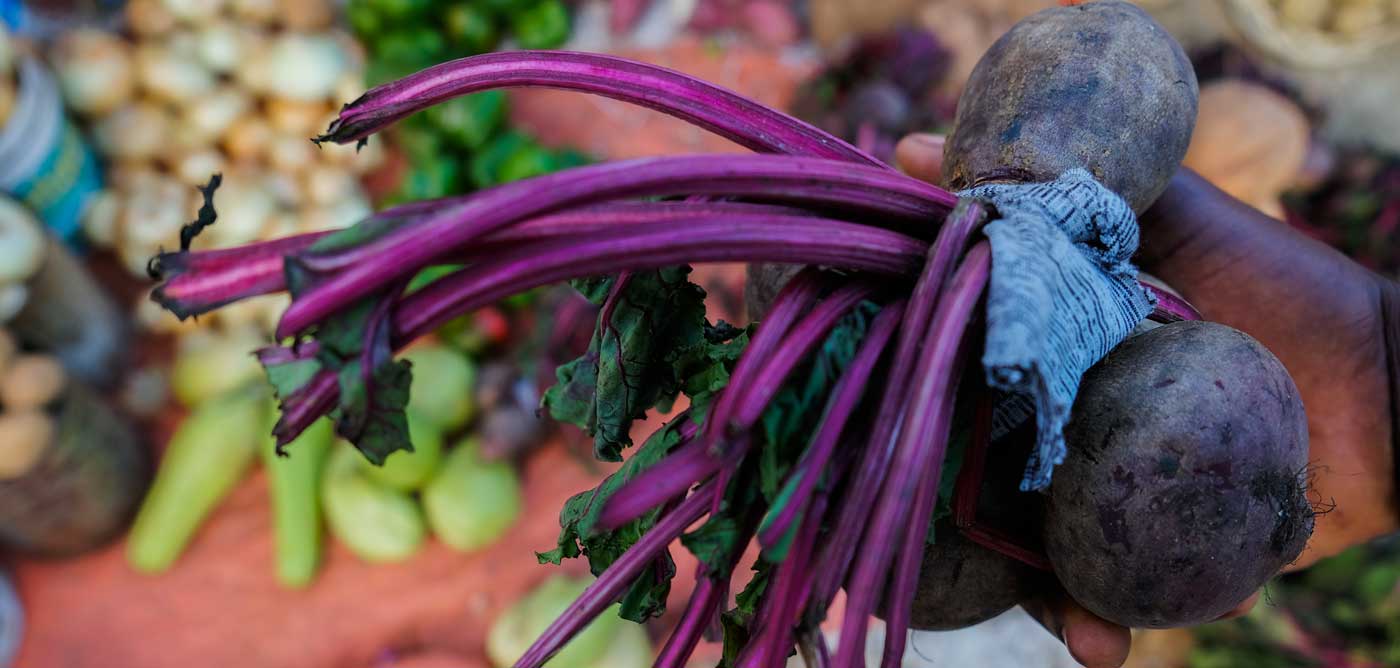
(847, 432)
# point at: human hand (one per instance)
(1324, 316)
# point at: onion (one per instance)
(344, 213)
(220, 46)
(305, 67)
(134, 132)
(213, 115)
(26, 435)
(245, 206)
(283, 187)
(325, 185)
(147, 18)
(350, 86)
(31, 382)
(194, 169)
(198, 12)
(169, 76)
(291, 153)
(297, 117)
(94, 69)
(247, 139)
(149, 316)
(256, 11)
(254, 70)
(100, 219)
(21, 242)
(306, 14)
(153, 216)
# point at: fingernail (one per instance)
(930, 140)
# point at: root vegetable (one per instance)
(303, 118)
(136, 132)
(306, 15)
(326, 185)
(195, 168)
(170, 75)
(100, 220)
(1250, 141)
(290, 154)
(31, 382)
(262, 12)
(95, 70)
(13, 298)
(24, 436)
(149, 18)
(220, 47)
(196, 12)
(1184, 487)
(213, 115)
(1099, 86)
(305, 67)
(22, 243)
(247, 139)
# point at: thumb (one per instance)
(921, 156)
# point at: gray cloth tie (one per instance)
(1063, 293)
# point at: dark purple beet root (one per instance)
(962, 583)
(764, 283)
(1184, 487)
(1099, 85)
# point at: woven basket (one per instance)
(1262, 25)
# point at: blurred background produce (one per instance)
(317, 558)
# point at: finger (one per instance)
(1242, 609)
(921, 156)
(1093, 641)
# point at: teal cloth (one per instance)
(1063, 292)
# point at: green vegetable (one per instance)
(209, 454)
(294, 482)
(377, 523)
(470, 30)
(397, 10)
(471, 503)
(208, 365)
(443, 380)
(528, 160)
(409, 471)
(486, 164)
(543, 26)
(608, 642)
(470, 121)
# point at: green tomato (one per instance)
(528, 160)
(471, 503)
(516, 629)
(409, 471)
(470, 29)
(543, 26)
(469, 121)
(375, 522)
(443, 380)
(486, 163)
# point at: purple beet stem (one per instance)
(855, 511)
(615, 580)
(700, 103)
(918, 452)
(674, 474)
(407, 249)
(845, 396)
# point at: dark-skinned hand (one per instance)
(1323, 315)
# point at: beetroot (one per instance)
(1183, 490)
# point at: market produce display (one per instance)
(756, 454)
(236, 88)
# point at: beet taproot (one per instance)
(1184, 487)
(961, 582)
(1099, 86)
